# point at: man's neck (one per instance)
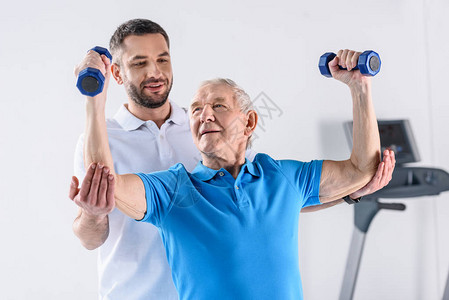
(157, 115)
(232, 163)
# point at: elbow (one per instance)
(365, 172)
(90, 246)
(368, 167)
(88, 240)
(375, 161)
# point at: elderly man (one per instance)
(230, 227)
(131, 256)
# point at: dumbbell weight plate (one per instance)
(90, 80)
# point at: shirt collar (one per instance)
(178, 115)
(252, 168)
(204, 173)
(130, 122)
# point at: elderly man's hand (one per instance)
(96, 196)
(353, 78)
(381, 179)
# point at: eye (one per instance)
(162, 60)
(139, 64)
(219, 107)
(196, 110)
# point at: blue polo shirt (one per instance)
(229, 238)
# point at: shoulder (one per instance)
(178, 170)
(179, 114)
(266, 164)
(265, 161)
(263, 158)
(176, 107)
(112, 123)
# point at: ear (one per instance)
(251, 122)
(115, 70)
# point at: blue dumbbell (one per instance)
(368, 63)
(91, 81)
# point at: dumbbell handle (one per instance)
(90, 80)
(332, 56)
(368, 63)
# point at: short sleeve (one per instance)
(305, 176)
(160, 191)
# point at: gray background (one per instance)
(266, 46)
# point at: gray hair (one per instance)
(242, 98)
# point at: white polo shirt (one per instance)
(132, 264)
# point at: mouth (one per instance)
(154, 87)
(208, 132)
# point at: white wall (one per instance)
(266, 46)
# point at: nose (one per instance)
(207, 114)
(153, 70)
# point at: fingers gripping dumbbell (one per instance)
(90, 80)
(368, 63)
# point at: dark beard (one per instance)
(147, 101)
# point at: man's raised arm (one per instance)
(341, 178)
(129, 189)
(383, 176)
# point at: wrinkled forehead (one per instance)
(211, 93)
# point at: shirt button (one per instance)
(237, 187)
(221, 174)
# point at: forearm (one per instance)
(91, 230)
(321, 206)
(129, 191)
(96, 145)
(342, 178)
(365, 154)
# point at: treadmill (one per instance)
(406, 182)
